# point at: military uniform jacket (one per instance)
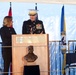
(35, 27)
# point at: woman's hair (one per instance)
(8, 20)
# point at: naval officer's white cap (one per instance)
(32, 12)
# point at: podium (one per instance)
(40, 42)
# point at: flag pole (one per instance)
(36, 10)
(35, 6)
(10, 4)
(10, 10)
(11, 63)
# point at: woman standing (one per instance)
(6, 33)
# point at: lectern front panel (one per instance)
(40, 44)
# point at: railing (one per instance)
(56, 57)
(72, 46)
